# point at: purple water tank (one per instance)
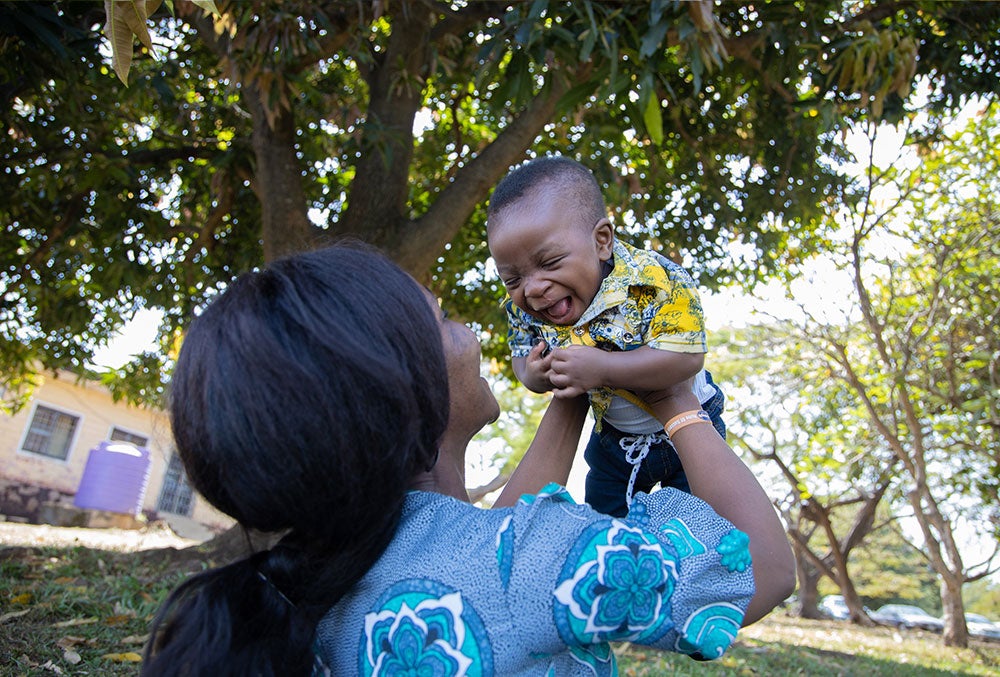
(114, 478)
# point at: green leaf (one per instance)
(652, 39)
(126, 18)
(207, 6)
(653, 119)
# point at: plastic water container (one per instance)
(114, 478)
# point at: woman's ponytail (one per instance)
(304, 401)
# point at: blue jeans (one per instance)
(610, 471)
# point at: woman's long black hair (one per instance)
(304, 399)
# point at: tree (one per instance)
(275, 127)
(835, 474)
(887, 570)
(920, 352)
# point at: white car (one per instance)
(907, 616)
(982, 627)
(834, 606)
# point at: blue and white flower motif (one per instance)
(684, 542)
(638, 514)
(710, 630)
(415, 632)
(734, 550)
(616, 585)
(598, 657)
(552, 490)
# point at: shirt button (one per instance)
(628, 336)
(578, 331)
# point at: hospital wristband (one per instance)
(685, 419)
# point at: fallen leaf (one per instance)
(75, 621)
(135, 639)
(13, 614)
(69, 640)
(51, 667)
(23, 598)
(127, 657)
(118, 620)
(71, 657)
(62, 580)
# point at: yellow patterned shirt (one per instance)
(646, 300)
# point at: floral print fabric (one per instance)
(645, 300)
(541, 588)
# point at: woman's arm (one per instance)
(550, 456)
(718, 477)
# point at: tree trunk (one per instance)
(808, 576)
(956, 633)
(285, 226)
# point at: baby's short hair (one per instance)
(574, 183)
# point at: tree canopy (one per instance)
(278, 126)
(901, 395)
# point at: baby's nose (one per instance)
(535, 286)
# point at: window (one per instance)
(176, 494)
(50, 433)
(119, 435)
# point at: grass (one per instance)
(81, 611)
(786, 645)
(76, 611)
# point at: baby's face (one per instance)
(549, 257)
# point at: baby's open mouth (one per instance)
(558, 312)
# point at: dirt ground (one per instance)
(155, 535)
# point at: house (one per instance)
(45, 448)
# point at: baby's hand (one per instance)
(576, 369)
(537, 369)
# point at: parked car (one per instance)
(907, 616)
(835, 607)
(982, 627)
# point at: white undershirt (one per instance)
(629, 418)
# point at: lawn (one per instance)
(786, 645)
(82, 611)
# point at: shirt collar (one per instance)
(627, 272)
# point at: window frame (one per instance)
(70, 443)
(175, 480)
(131, 433)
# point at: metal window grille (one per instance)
(119, 435)
(50, 433)
(176, 495)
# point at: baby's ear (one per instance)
(604, 237)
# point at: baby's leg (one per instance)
(607, 477)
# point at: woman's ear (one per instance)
(604, 237)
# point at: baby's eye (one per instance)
(551, 263)
(512, 282)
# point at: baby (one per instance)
(589, 313)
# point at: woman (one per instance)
(312, 398)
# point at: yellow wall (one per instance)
(98, 414)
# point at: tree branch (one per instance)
(475, 179)
(478, 493)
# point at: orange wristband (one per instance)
(685, 419)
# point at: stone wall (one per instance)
(25, 502)
(32, 504)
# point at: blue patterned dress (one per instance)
(540, 588)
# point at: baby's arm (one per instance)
(577, 369)
(534, 370)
